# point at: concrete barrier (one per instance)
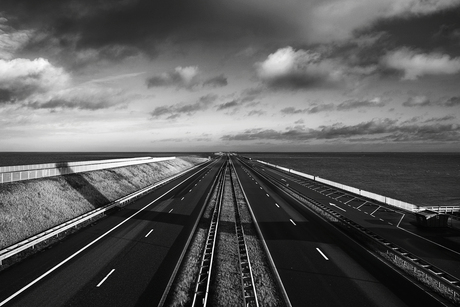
(383, 199)
(28, 172)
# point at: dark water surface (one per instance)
(429, 179)
(425, 179)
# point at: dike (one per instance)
(30, 207)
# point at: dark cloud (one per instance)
(452, 102)
(355, 104)
(175, 111)
(228, 105)
(143, 25)
(423, 101)
(256, 113)
(375, 130)
(417, 101)
(217, 81)
(292, 110)
(185, 77)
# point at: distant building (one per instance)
(427, 218)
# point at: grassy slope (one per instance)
(30, 207)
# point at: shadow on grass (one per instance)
(78, 182)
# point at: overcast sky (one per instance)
(230, 75)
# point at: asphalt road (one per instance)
(319, 265)
(125, 259)
(394, 226)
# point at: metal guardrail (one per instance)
(29, 172)
(429, 272)
(383, 199)
(247, 277)
(201, 294)
(39, 238)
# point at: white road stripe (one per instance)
(267, 195)
(149, 233)
(182, 198)
(337, 207)
(277, 205)
(375, 210)
(293, 222)
(170, 210)
(322, 254)
(102, 281)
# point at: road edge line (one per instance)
(267, 251)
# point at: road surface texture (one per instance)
(128, 258)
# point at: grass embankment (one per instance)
(30, 207)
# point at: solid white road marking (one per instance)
(293, 222)
(376, 211)
(322, 254)
(105, 278)
(149, 233)
(337, 207)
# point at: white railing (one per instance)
(28, 172)
(383, 199)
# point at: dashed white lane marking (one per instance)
(149, 233)
(190, 190)
(277, 205)
(365, 212)
(261, 188)
(381, 220)
(322, 254)
(196, 184)
(182, 198)
(267, 195)
(170, 210)
(390, 223)
(105, 278)
(283, 179)
(293, 222)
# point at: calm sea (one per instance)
(425, 179)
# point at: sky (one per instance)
(230, 75)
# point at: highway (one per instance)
(395, 226)
(125, 259)
(129, 257)
(318, 265)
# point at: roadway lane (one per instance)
(129, 266)
(319, 265)
(382, 222)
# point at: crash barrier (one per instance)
(383, 199)
(57, 230)
(28, 172)
(442, 282)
